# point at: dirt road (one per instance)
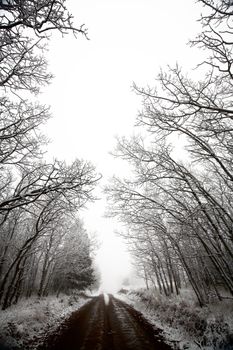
(106, 323)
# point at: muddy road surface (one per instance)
(106, 323)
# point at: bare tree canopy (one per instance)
(178, 205)
(25, 27)
(40, 15)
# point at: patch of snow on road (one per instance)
(106, 298)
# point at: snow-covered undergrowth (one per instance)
(186, 325)
(25, 325)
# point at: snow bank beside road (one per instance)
(24, 325)
(185, 325)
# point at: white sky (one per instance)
(91, 97)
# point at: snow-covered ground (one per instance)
(185, 325)
(25, 325)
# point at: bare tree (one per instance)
(74, 182)
(216, 37)
(20, 140)
(41, 16)
(25, 27)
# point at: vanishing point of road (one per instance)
(106, 323)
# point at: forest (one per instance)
(44, 246)
(177, 203)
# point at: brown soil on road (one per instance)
(106, 324)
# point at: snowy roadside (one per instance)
(25, 325)
(185, 326)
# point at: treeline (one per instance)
(178, 204)
(44, 247)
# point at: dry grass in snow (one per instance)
(25, 325)
(186, 325)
